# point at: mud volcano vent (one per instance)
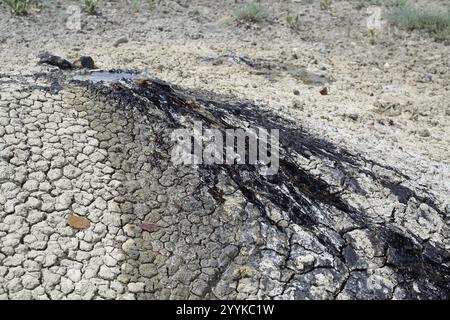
(91, 205)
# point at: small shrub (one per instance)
(410, 18)
(373, 37)
(18, 7)
(152, 4)
(294, 22)
(252, 11)
(388, 3)
(325, 4)
(90, 6)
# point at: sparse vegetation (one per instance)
(90, 6)
(294, 22)
(152, 4)
(404, 15)
(325, 4)
(388, 3)
(410, 18)
(373, 37)
(18, 7)
(364, 3)
(252, 11)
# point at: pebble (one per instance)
(120, 41)
(425, 133)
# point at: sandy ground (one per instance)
(394, 93)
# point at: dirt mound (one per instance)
(330, 223)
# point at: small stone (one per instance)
(425, 133)
(324, 91)
(84, 62)
(53, 60)
(120, 41)
(6, 155)
(296, 92)
(78, 222)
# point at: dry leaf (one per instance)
(149, 227)
(78, 222)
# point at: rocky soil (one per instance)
(360, 206)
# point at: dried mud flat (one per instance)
(360, 206)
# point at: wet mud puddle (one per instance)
(110, 76)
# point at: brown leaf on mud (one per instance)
(149, 227)
(324, 91)
(78, 222)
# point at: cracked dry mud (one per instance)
(360, 207)
(332, 224)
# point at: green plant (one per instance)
(18, 7)
(325, 4)
(252, 11)
(90, 6)
(410, 18)
(294, 22)
(373, 37)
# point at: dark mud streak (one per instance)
(414, 263)
(404, 194)
(306, 192)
